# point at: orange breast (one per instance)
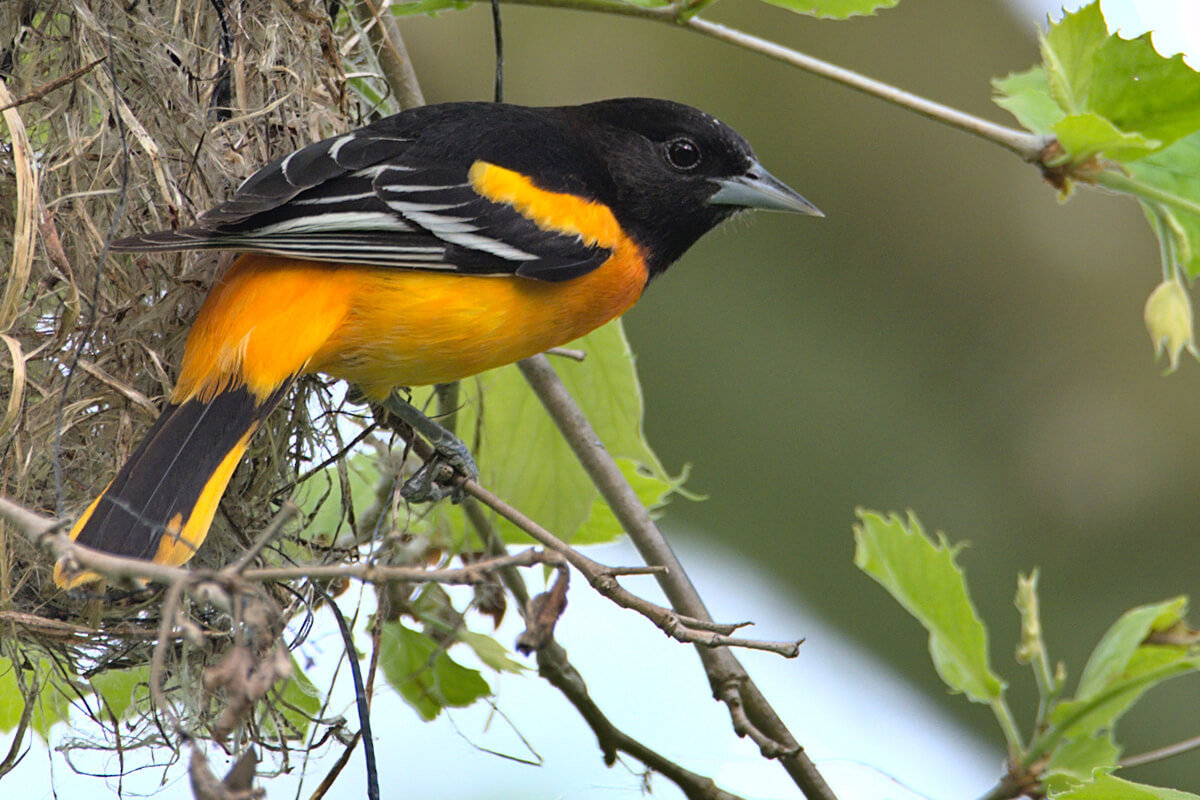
(378, 328)
(407, 328)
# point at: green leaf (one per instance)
(1078, 760)
(1140, 90)
(1149, 666)
(1089, 134)
(12, 704)
(120, 687)
(1068, 49)
(1123, 667)
(523, 457)
(1111, 656)
(834, 9)
(320, 497)
(924, 578)
(1101, 94)
(490, 651)
(300, 702)
(1026, 96)
(653, 492)
(1106, 787)
(50, 703)
(1176, 171)
(430, 7)
(427, 678)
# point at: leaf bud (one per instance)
(1169, 321)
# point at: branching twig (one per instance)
(687, 629)
(701, 630)
(725, 672)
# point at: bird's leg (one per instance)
(450, 455)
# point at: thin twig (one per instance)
(476, 572)
(498, 37)
(57, 83)
(117, 569)
(360, 695)
(47, 628)
(285, 514)
(1161, 753)
(1027, 145)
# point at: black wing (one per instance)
(358, 199)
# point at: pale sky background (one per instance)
(870, 734)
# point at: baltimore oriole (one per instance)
(423, 248)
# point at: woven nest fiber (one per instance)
(130, 116)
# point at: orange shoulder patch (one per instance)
(552, 211)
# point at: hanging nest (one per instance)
(139, 115)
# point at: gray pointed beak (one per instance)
(758, 188)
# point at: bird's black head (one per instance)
(673, 172)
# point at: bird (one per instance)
(423, 248)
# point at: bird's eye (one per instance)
(682, 153)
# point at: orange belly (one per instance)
(269, 318)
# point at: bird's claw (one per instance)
(437, 477)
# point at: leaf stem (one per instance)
(1027, 145)
(1120, 182)
(1008, 725)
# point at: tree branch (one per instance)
(1028, 146)
(42, 530)
(726, 674)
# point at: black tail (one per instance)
(162, 502)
